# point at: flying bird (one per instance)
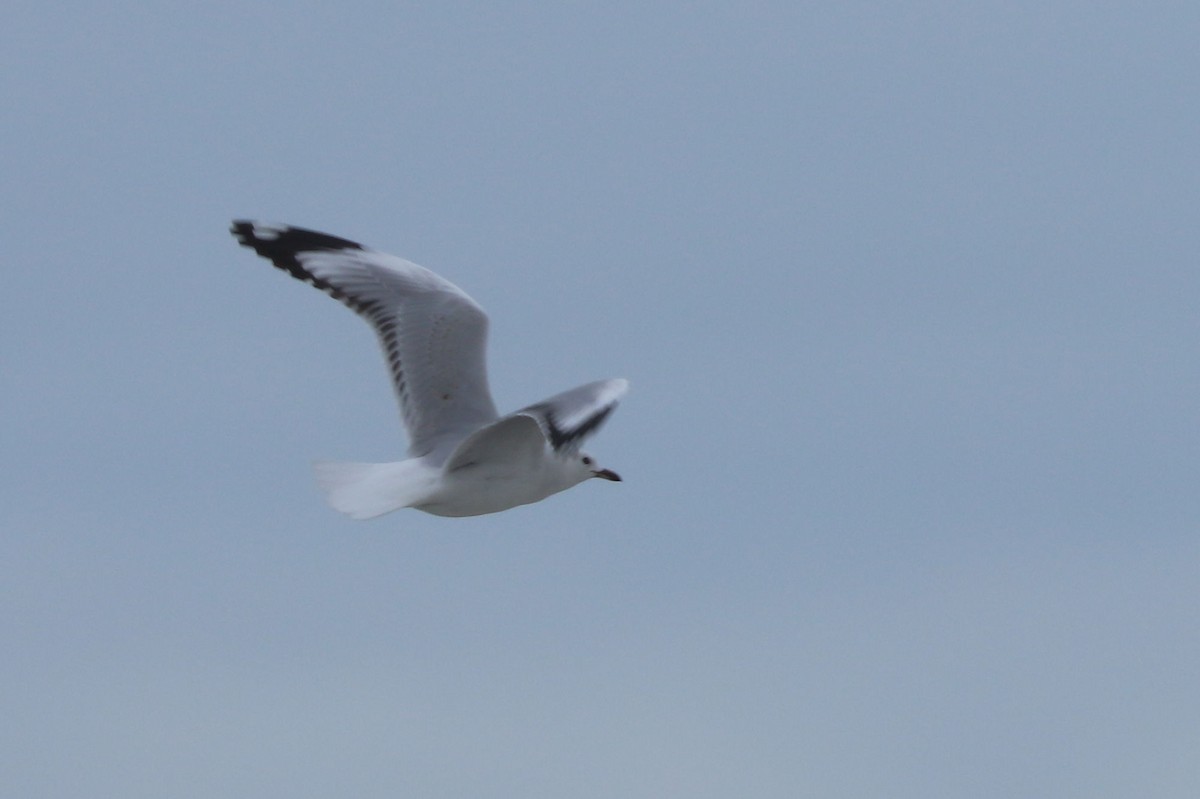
(464, 458)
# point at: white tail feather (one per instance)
(367, 490)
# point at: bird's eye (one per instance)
(587, 461)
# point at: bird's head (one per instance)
(588, 466)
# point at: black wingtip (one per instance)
(563, 438)
(280, 243)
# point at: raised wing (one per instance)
(568, 418)
(434, 336)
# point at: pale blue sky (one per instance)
(908, 297)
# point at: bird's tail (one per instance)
(367, 490)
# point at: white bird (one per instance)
(464, 459)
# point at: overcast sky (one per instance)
(907, 294)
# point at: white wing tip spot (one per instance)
(267, 232)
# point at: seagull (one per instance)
(464, 459)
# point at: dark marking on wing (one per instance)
(564, 438)
(281, 250)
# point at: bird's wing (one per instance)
(516, 440)
(433, 335)
(568, 418)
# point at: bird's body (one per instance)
(465, 460)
